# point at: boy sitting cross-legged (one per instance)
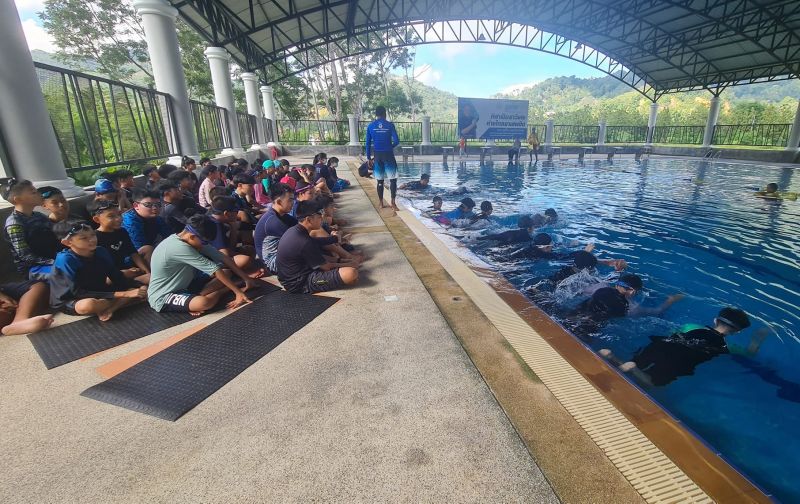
(84, 280)
(112, 237)
(187, 272)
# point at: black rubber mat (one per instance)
(69, 342)
(172, 382)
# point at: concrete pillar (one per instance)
(158, 19)
(711, 123)
(651, 123)
(426, 130)
(250, 81)
(220, 63)
(601, 133)
(25, 125)
(352, 125)
(548, 133)
(269, 111)
(794, 134)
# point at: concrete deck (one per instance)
(375, 400)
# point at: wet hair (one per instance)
(584, 260)
(176, 176)
(425, 176)
(380, 111)
(243, 178)
(632, 280)
(306, 209)
(97, 206)
(468, 202)
(734, 318)
(542, 239)
(525, 222)
(773, 187)
(204, 227)
(10, 188)
(332, 160)
(48, 192)
(220, 204)
(437, 198)
(140, 194)
(278, 190)
(165, 169)
(538, 220)
(486, 206)
(551, 214)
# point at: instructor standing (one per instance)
(381, 140)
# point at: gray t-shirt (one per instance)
(174, 265)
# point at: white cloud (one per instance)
(427, 75)
(451, 50)
(515, 88)
(37, 37)
(28, 8)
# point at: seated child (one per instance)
(122, 180)
(33, 244)
(152, 176)
(176, 208)
(58, 206)
(104, 190)
(243, 196)
(187, 272)
(113, 238)
(300, 263)
(210, 175)
(365, 170)
(418, 185)
(23, 306)
(223, 215)
(339, 184)
(84, 280)
(144, 224)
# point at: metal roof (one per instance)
(655, 46)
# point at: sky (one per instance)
(469, 70)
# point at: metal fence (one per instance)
(409, 132)
(756, 135)
(626, 134)
(210, 126)
(248, 129)
(312, 132)
(267, 130)
(100, 123)
(681, 135)
(574, 134)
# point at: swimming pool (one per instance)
(686, 226)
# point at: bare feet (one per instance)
(395, 207)
(28, 326)
(605, 352)
(383, 204)
(105, 316)
(627, 367)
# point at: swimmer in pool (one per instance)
(615, 301)
(436, 207)
(583, 260)
(542, 248)
(550, 216)
(482, 219)
(771, 192)
(526, 225)
(667, 358)
(422, 184)
(463, 212)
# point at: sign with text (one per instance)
(492, 119)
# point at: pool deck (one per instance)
(402, 391)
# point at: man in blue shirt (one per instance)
(381, 140)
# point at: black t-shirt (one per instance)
(298, 255)
(119, 245)
(667, 358)
(606, 303)
(364, 170)
(511, 236)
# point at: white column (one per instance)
(651, 123)
(794, 134)
(713, 115)
(601, 133)
(352, 126)
(24, 120)
(250, 81)
(220, 63)
(158, 19)
(548, 133)
(269, 111)
(426, 130)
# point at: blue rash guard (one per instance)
(383, 135)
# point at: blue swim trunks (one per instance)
(385, 166)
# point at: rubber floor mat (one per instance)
(172, 382)
(69, 342)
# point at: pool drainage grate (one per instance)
(648, 469)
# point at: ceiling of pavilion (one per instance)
(655, 46)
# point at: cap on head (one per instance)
(734, 318)
(584, 260)
(104, 186)
(632, 280)
(542, 239)
(468, 202)
(268, 164)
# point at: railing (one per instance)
(267, 130)
(100, 123)
(574, 134)
(312, 132)
(757, 135)
(626, 134)
(682, 135)
(248, 132)
(408, 132)
(210, 126)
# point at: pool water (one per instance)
(686, 226)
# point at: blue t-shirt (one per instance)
(144, 231)
(268, 232)
(383, 135)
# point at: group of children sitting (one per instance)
(182, 242)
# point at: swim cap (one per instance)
(468, 202)
(268, 164)
(734, 317)
(585, 260)
(542, 239)
(632, 281)
(104, 186)
(608, 303)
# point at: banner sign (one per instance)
(492, 119)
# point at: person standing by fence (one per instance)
(533, 141)
(381, 140)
